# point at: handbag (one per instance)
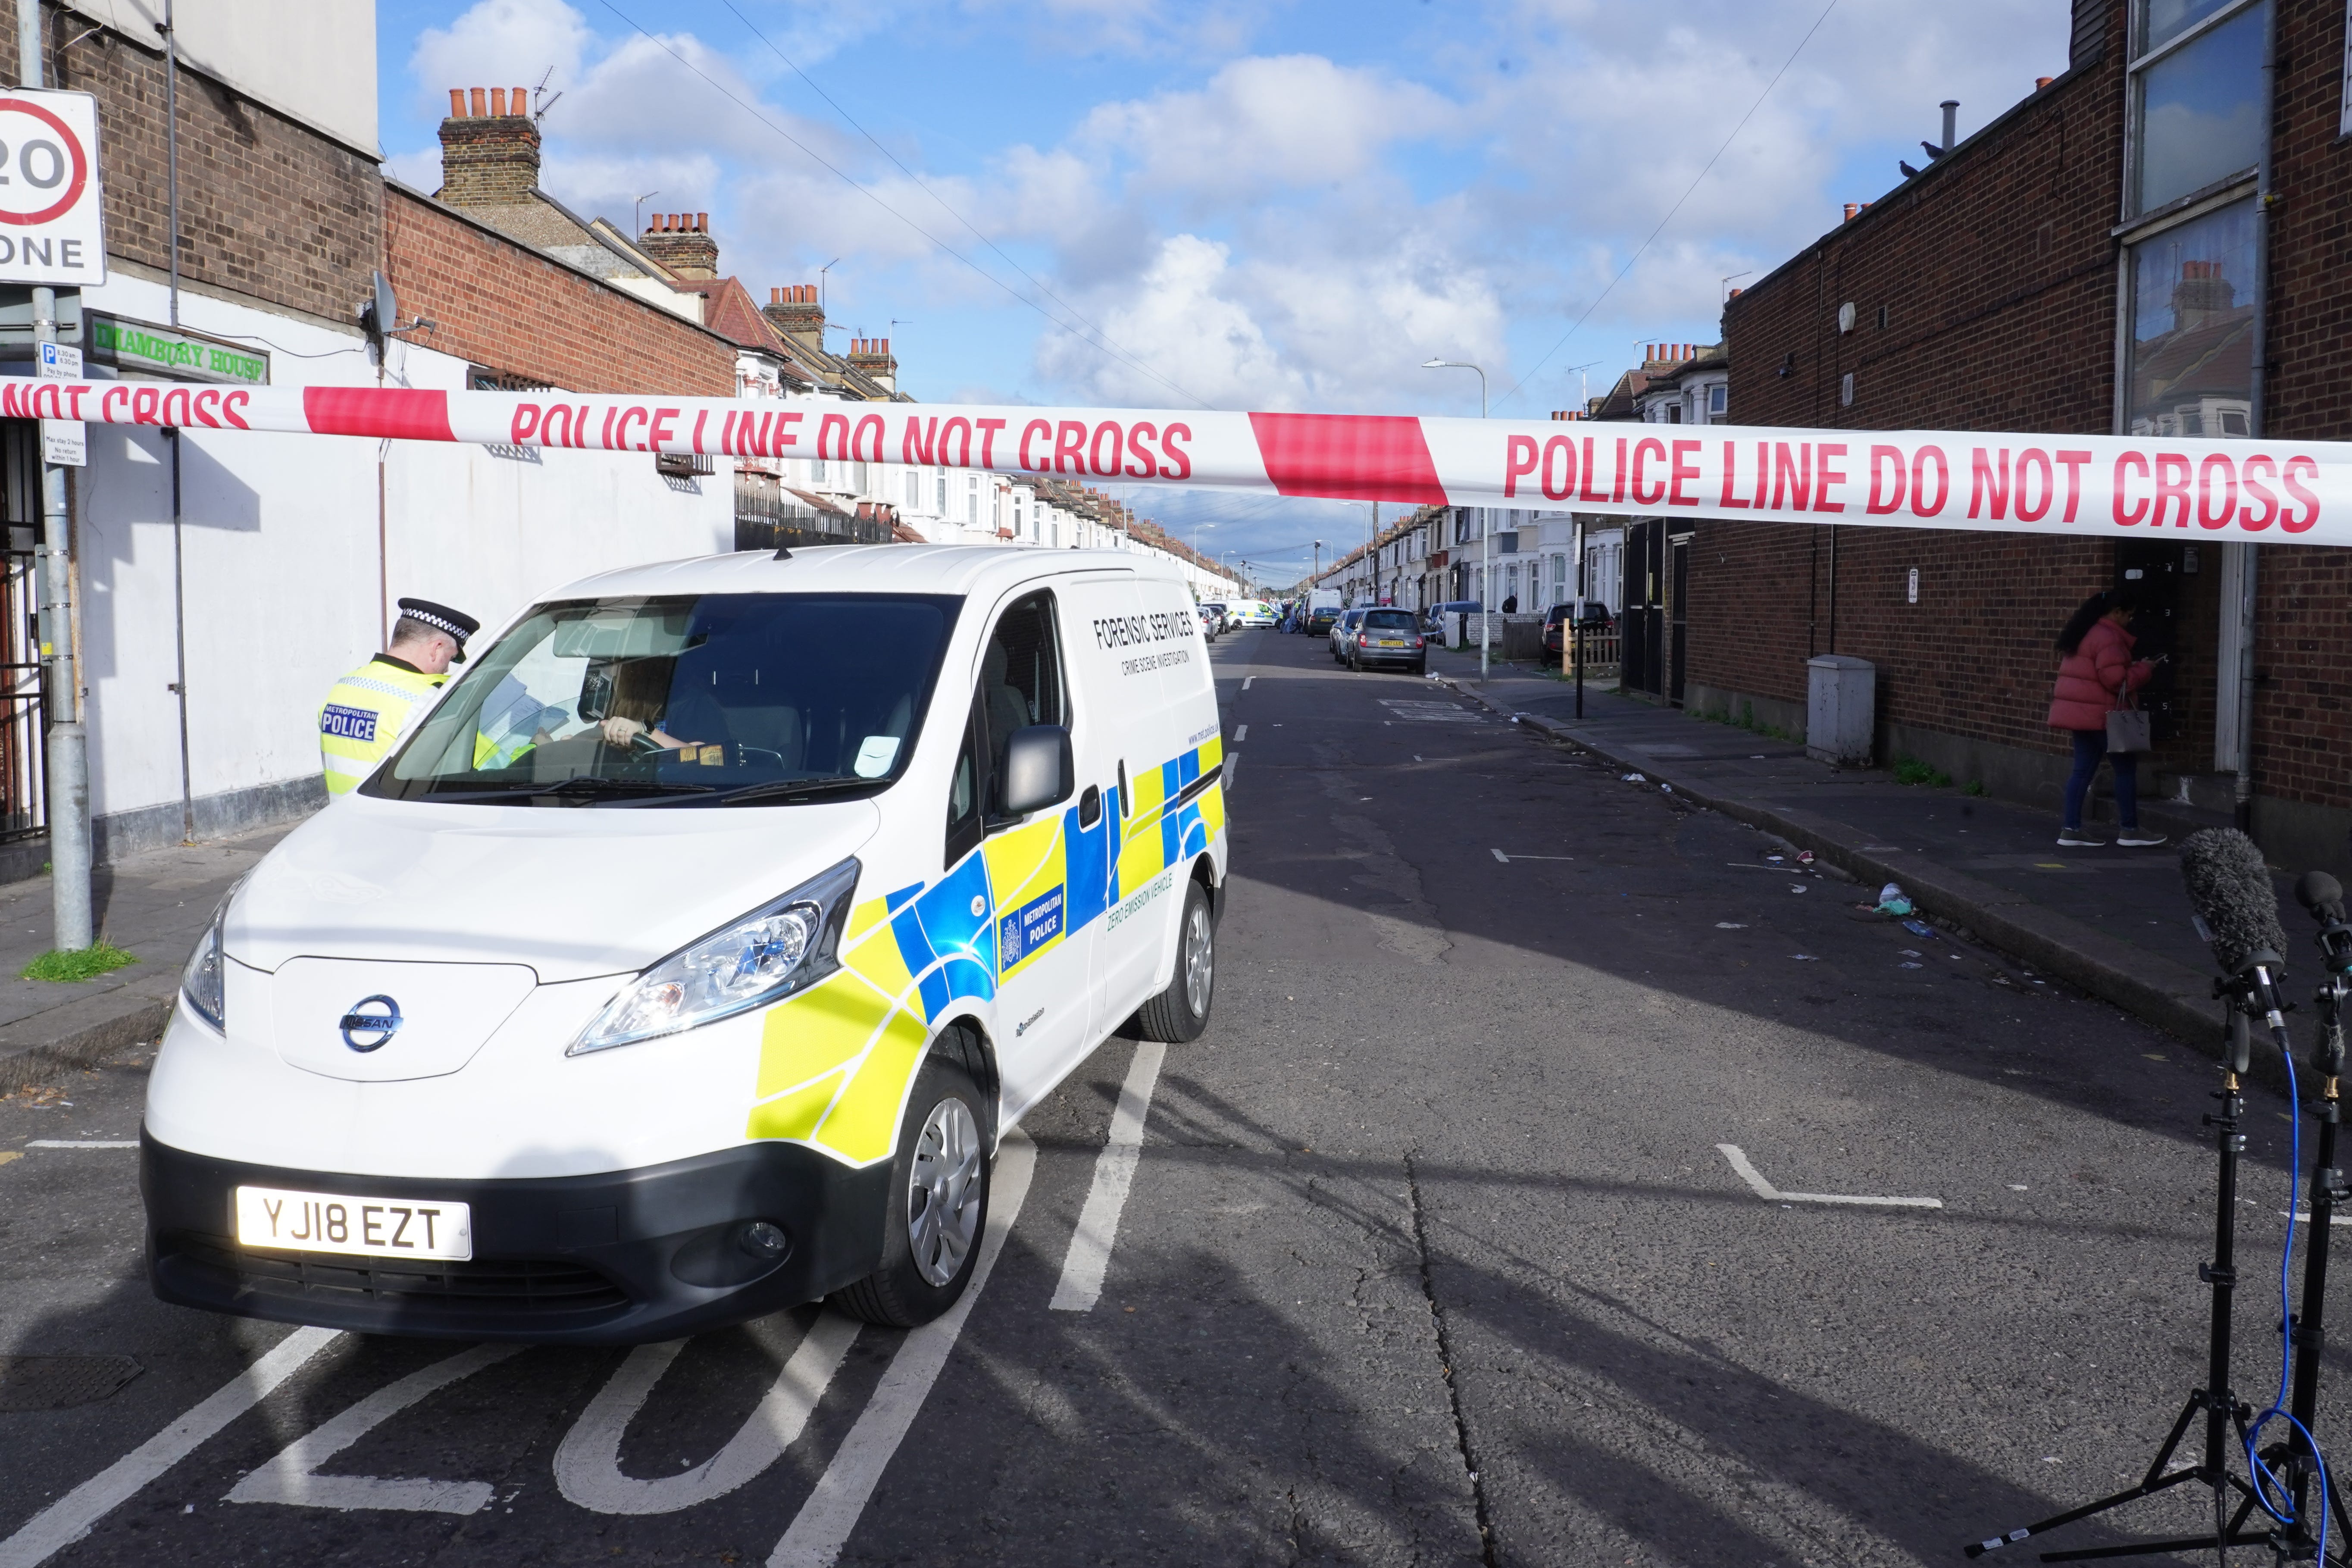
(2127, 722)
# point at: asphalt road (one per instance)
(1432, 1253)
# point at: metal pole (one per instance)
(2242, 788)
(68, 754)
(179, 558)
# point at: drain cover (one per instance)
(61, 1381)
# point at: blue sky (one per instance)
(1179, 202)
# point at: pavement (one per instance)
(1564, 1207)
(155, 905)
(2114, 921)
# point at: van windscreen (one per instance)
(708, 699)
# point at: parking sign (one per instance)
(51, 218)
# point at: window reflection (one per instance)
(2193, 295)
(2164, 19)
(2201, 111)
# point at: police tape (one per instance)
(2296, 492)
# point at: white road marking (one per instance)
(1765, 1190)
(69, 1518)
(82, 1143)
(1498, 855)
(1507, 860)
(291, 1478)
(1241, 734)
(821, 1529)
(588, 1461)
(1225, 778)
(1089, 1255)
(1245, 681)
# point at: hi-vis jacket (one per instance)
(363, 717)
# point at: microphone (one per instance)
(2237, 911)
(2323, 897)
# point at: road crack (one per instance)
(1487, 1549)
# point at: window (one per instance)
(2192, 293)
(2196, 97)
(1718, 395)
(2190, 359)
(816, 470)
(686, 699)
(914, 491)
(943, 492)
(971, 499)
(1020, 682)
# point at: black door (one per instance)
(2152, 569)
(1681, 619)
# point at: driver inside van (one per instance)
(640, 697)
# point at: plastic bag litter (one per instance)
(1804, 857)
(1667, 787)
(1891, 901)
(1633, 778)
(1918, 928)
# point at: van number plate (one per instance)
(363, 1227)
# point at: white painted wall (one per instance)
(283, 581)
(319, 65)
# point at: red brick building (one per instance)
(2152, 241)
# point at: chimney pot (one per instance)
(457, 103)
(499, 103)
(702, 223)
(518, 100)
(480, 109)
(2041, 81)
(1850, 210)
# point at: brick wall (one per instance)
(1999, 277)
(513, 309)
(2303, 662)
(269, 207)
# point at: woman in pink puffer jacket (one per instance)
(2097, 669)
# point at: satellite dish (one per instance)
(1845, 311)
(387, 310)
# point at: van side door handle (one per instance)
(1090, 807)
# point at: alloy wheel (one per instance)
(943, 1194)
(1200, 961)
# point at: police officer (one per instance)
(367, 710)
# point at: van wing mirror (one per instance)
(1038, 766)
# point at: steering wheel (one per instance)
(643, 745)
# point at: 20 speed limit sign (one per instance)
(52, 226)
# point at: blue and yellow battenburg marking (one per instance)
(836, 1059)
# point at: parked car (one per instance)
(1342, 630)
(1597, 618)
(1384, 638)
(1211, 621)
(1315, 618)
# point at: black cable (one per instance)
(818, 158)
(1645, 245)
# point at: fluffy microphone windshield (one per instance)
(2231, 890)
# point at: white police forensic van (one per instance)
(687, 960)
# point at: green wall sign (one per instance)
(129, 345)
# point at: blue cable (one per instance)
(2264, 1477)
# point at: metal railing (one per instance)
(23, 774)
(767, 516)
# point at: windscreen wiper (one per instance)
(582, 786)
(779, 789)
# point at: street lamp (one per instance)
(1485, 533)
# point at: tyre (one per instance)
(938, 1202)
(1422, 668)
(1180, 1013)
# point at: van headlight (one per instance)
(203, 982)
(777, 949)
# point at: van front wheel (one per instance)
(1182, 1012)
(938, 1204)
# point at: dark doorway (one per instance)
(1643, 624)
(2153, 569)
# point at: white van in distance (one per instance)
(687, 960)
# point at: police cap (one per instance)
(458, 625)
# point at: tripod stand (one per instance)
(2225, 1415)
(2295, 1462)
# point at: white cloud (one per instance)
(500, 43)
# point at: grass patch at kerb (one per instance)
(1912, 771)
(104, 958)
